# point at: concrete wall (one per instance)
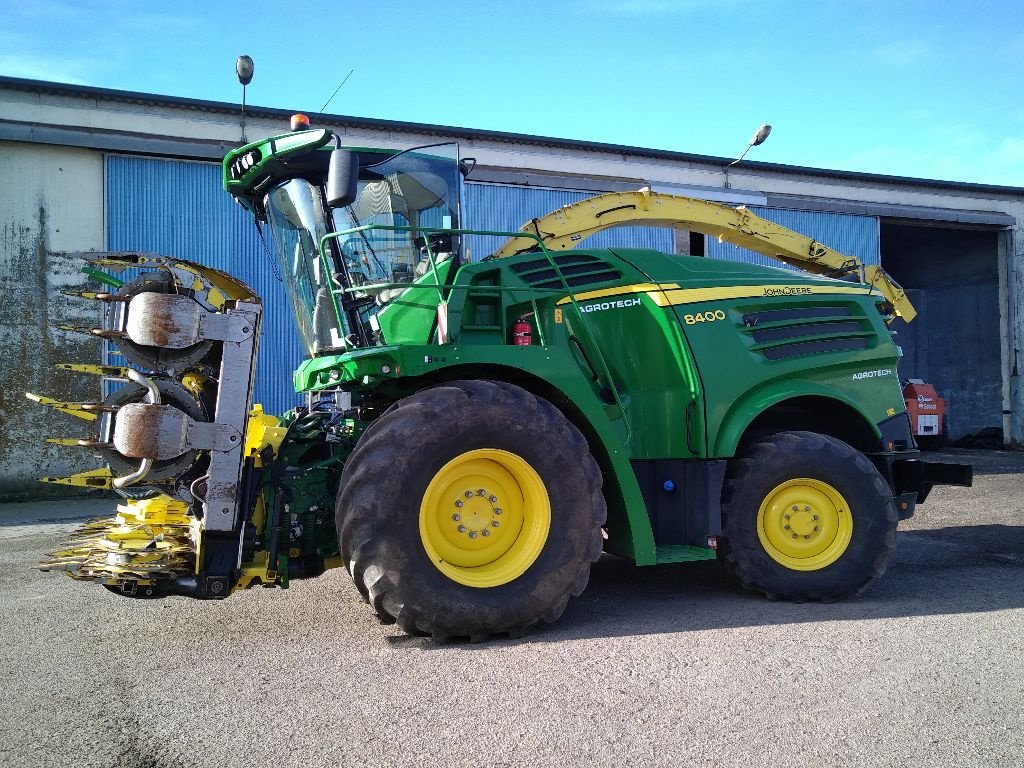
(51, 204)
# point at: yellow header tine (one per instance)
(73, 409)
(118, 371)
(92, 478)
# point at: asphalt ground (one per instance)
(672, 665)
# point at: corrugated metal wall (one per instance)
(179, 208)
(847, 233)
(507, 208)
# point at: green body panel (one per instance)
(626, 366)
(734, 365)
(653, 356)
(264, 155)
(409, 318)
(551, 371)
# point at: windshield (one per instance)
(295, 213)
(418, 188)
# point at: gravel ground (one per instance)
(671, 665)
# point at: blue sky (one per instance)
(923, 89)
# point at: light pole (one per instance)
(757, 139)
(244, 68)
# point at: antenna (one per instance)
(333, 95)
(244, 69)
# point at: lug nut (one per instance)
(472, 534)
(795, 508)
(495, 523)
(815, 517)
(786, 515)
(462, 529)
(469, 494)
(815, 527)
(497, 511)
(794, 536)
(459, 503)
(456, 517)
(785, 527)
(807, 509)
(807, 536)
(493, 499)
(481, 492)
(485, 532)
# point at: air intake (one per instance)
(578, 269)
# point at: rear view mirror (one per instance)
(342, 178)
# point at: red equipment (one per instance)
(926, 409)
(522, 333)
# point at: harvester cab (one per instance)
(352, 230)
(476, 433)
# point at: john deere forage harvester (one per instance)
(474, 435)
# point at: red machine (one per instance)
(926, 409)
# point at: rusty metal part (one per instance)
(179, 322)
(144, 350)
(163, 472)
(165, 432)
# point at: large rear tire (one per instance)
(806, 517)
(470, 509)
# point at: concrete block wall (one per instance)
(51, 204)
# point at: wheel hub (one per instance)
(477, 513)
(803, 521)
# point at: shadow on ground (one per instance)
(964, 569)
(984, 462)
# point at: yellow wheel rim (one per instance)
(484, 518)
(804, 524)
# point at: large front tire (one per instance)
(470, 509)
(806, 517)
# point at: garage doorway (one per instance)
(951, 274)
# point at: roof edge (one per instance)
(16, 83)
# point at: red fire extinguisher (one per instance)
(522, 333)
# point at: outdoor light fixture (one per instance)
(756, 140)
(244, 68)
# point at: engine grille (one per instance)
(783, 334)
(578, 269)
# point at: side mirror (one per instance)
(342, 178)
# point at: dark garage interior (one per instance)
(952, 277)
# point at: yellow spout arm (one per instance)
(570, 225)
